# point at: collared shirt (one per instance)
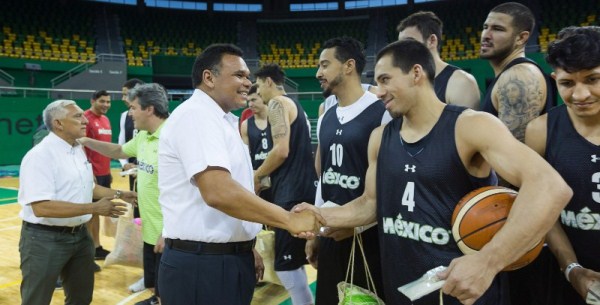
(144, 146)
(55, 170)
(199, 134)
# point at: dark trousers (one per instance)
(334, 258)
(151, 263)
(46, 255)
(201, 279)
(104, 181)
(538, 283)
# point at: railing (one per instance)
(7, 77)
(47, 92)
(84, 66)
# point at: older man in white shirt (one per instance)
(56, 189)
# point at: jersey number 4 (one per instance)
(408, 198)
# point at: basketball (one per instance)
(480, 215)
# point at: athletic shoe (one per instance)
(97, 268)
(137, 286)
(58, 284)
(153, 300)
(101, 253)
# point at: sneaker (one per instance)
(58, 284)
(137, 286)
(97, 268)
(153, 300)
(101, 253)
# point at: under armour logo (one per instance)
(412, 168)
(287, 257)
(338, 132)
(263, 134)
(595, 158)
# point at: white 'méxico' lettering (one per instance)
(261, 156)
(104, 131)
(415, 231)
(584, 220)
(334, 178)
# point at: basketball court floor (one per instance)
(112, 282)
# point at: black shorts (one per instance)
(104, 181)
(289, 250)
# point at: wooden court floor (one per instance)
(111, 283)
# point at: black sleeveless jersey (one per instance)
(440, 83)
(295, 180)
(129, 133)
(551, 93)
(343, 151)
(578, 162)
(418, 188)
(260, 142)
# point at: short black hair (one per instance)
(575, 50)
(253, 89)
(428, 23)
(210, 59)
(523, 19)
(348, 48)
(129, 84)
(96, 95)
(274, 71)
(408, 52)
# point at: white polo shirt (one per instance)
(199, 134)
(55, 170)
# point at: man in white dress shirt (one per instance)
(211, 214)
(56, 188)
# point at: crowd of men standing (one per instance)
(390, 157)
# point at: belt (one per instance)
(59, 229)
(199, 247)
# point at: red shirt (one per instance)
(98, 128)
(246, 114)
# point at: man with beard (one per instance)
(290, 167)
(343, 132)
(99, 129)
(421, 164)
(506, 31)
(519, 93)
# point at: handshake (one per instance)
(305, 221)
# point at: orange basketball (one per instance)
(479, 215)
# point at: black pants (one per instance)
(151, 263)
(202, 279)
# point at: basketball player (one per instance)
(421, 164)
(290, 166)
(99, 129)
(452, 85)
(343, 133)
(520, 92)
(568, 136)
(256, 133)
(127, 132)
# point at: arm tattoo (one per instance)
(520, 100)
(277, 119)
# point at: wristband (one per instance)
(570, 268)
